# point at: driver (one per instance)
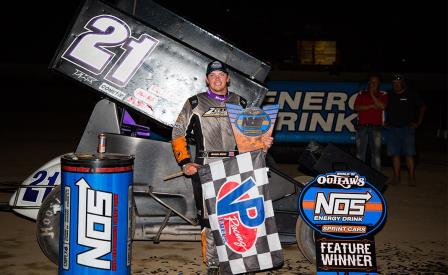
(204, 121)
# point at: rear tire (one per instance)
(47, 225)
(305, 240)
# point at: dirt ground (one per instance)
(413, 240)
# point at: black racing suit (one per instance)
(204, 120)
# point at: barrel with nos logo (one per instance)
(96, 202)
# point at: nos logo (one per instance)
(240, 210)
(94, 226)
(253, 122)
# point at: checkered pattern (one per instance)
(266, 252)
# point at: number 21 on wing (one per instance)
(90, 50)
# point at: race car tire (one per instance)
(305, 240)
(47, 225)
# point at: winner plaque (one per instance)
(250, 125)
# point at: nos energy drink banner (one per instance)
(319, 111)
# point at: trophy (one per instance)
(250, 125)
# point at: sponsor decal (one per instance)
(139, 105)
(84, 77)
(164, 94)
(66, 244)
(115, 233)
(112, 91)
(130, 232)
(341, 179)
(216, 112)
(240, 211)
(219, 154)
(95, 226)
(36, 188)
(147, 97)
(342, 205)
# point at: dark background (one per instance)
(381, 36)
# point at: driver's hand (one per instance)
(190, 169)
(267, 142)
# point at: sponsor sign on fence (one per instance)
(319, 111)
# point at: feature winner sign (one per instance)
(345, 211)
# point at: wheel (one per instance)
(47, 225)
(305, 240)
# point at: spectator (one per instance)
(370, 105)
(405, 113)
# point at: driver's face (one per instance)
(217, 82)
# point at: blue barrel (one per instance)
(95, 228)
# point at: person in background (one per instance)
(405, 113)
(204, 118)
(370, 105)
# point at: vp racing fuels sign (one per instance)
(239, 214)
(342, 205)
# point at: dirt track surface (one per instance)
(413, 240)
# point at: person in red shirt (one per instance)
(370, 105)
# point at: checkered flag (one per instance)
(240, 213)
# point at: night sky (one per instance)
(391, 35)
(380, 35)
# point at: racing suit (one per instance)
(204, 119)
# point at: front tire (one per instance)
(305, 240)
(47, 225)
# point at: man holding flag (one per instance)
(204, 120)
